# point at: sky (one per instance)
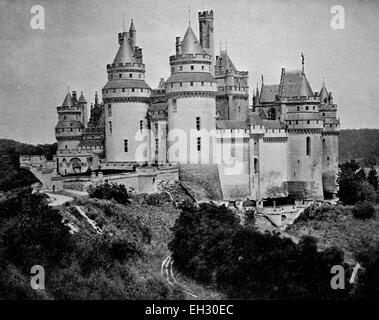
(262, 36)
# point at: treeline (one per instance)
(211, 246)
(11, 175)
(361, 144)
(83, 265)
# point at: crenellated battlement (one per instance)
(126, 65)
(206, 15)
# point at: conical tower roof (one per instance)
(323, 94)
(125, 53)
(82, 99)
(132, 28)
(67, 101)
(190, 44)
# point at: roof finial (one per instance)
(262, 78)
(302, 62)
(189, 15)
(226, 46)
(68, 89)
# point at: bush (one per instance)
(363, 210)
(116, 192)
(157, 199)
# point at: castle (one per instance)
(200, 121)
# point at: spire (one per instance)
(96, 99)
(125, 53)
(190, 44)
(67, 100)
(302, 62)
(323, 93)
(82, 99)
(132, 28)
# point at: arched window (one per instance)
(271, 115)
(255, 165)
(308, 146)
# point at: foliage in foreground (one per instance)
(211, 246)
(353, 184)
(363, 210)
(85, 265)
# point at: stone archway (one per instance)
(76, 165)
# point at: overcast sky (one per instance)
(80, 38)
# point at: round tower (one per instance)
(328, 110)
(304, 127)
(191, 91)
(126, 102)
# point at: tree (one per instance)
(372, 178)
(352, 184)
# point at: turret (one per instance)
(126, 101)
(132, 35)
(206, 34)
(323, 94)
(83, 105)
(191, 90)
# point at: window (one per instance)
(141, 125)
(156, 145)
(308, 122)
(327, 158)
(239, 109)
(202, 67)
(323, 114)
(111, 76)
(173, 105)
(202, 83)
(172, 85)
(192, 67)
(255, 165)
(197, 123)
(126, 145)
(181, 84)
(172, 69)
(181, 68)
(298, 108)
(120, 75)
(191, 84)
(110, 126)
(296, 122)
(289, 122)
(123, 89)
(130, 75)
(64, 117)
(271, 114)
(198, 143)
(132, 89)
(308, 146)
(109, 110)
(314, 108)
(139, 76)
(306, 108)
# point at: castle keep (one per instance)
(286, 142)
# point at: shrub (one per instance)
(157, 199)
(363, 210)
(116, 192)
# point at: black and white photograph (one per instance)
(203, 152)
